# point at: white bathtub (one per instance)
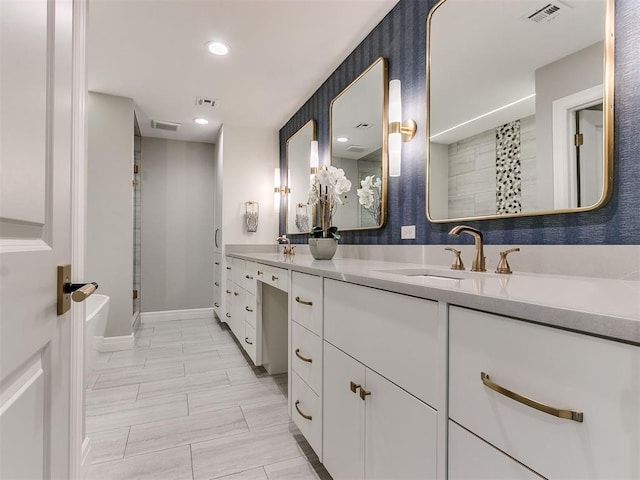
(97, 313)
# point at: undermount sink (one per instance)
(437, 273)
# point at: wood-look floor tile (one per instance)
(266, 414)
(253, 474)
(139, 375)
(110, 396)
(186, 384)
(108, 445)
(300, 468)
(238, 453)
(208, 364)
(147, 352)
(182, 339)
(146, 411)
(185, 430)
(231, 396)
(172, 464)
(182, 357)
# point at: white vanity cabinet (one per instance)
(597, 378)
(217, 285)
(380, 371)
(305, 328)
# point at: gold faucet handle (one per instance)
(503, 265)
(457, 261)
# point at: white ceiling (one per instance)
(281, 51)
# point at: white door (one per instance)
(35, 236)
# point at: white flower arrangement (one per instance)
(369, 196)
(327, 189)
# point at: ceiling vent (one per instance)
(356, 148)
(545, 14)
(363, 125)
(169, 126)
(205, 102)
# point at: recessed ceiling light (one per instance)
(217, 48)
(201, 121)
(342, 139)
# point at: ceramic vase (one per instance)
(323, 248)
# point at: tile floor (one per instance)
(186, 403)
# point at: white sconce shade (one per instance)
(395, 153)
(395, 101)
(314, 159)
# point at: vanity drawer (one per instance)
(306, 410)
(395, 335)
(249, 277)
(306, 306)
(274, 276)
(561, 369)
(249, 342)
(237, 273)
(306, 356)
(471, 458)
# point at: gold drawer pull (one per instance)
(236, 293)
(259, 272)
(216, 304)
(246, 340)
(306, 417)
(228, 268)
(354, 386)
(303, 302)
(273, 278)
(567, 414)
(363, 393)
(216, 284)
(304, 359)
(229, 291)
(248, 309)
(248, 277)
(217, 263)
(228, 315)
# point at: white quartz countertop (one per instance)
(602, 307)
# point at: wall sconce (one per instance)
(314, 159)
(399, 131)
(251, 214)
(278, 190)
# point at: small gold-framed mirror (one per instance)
(298, 150)
(519, 108)
(359, 125)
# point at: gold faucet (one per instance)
(288, 248)
(478, 257)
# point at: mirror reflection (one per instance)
(299, 212)
(519, 112)
(358, 146)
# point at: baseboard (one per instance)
(191, 314)
(86, 458)
(114, 344)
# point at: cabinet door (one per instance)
(400, 439)
(343, 416)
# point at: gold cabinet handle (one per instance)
(556, 412)
(248, 309)
(228, 291)
(236, 293)
(363, 393)
(303, 302)
(216, 284)
(216, 263)
(273, 278)
(228, 315)
(246, 340)
(354, 386)
(228, 268)
(260, 273)
(216, 304)
(306, 417)
(304, 359)
(248, 277)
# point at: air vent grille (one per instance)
(205, 102)
(545, 14)
(356, 148)
(162, 125)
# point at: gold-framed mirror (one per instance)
(298, 150)
(358, 129)
(519, 108)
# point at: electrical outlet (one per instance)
(408, 232)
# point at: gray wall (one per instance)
(109, 253)
(177, 225)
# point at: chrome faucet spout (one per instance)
(478, 264)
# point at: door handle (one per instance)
(68, 291)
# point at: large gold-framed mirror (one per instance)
(298, 151)
(358, 126)
(519, 107)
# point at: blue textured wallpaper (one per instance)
(401, 38)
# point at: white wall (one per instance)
(109, 259)
(571, 74)
(250, 155)
(177, 225)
